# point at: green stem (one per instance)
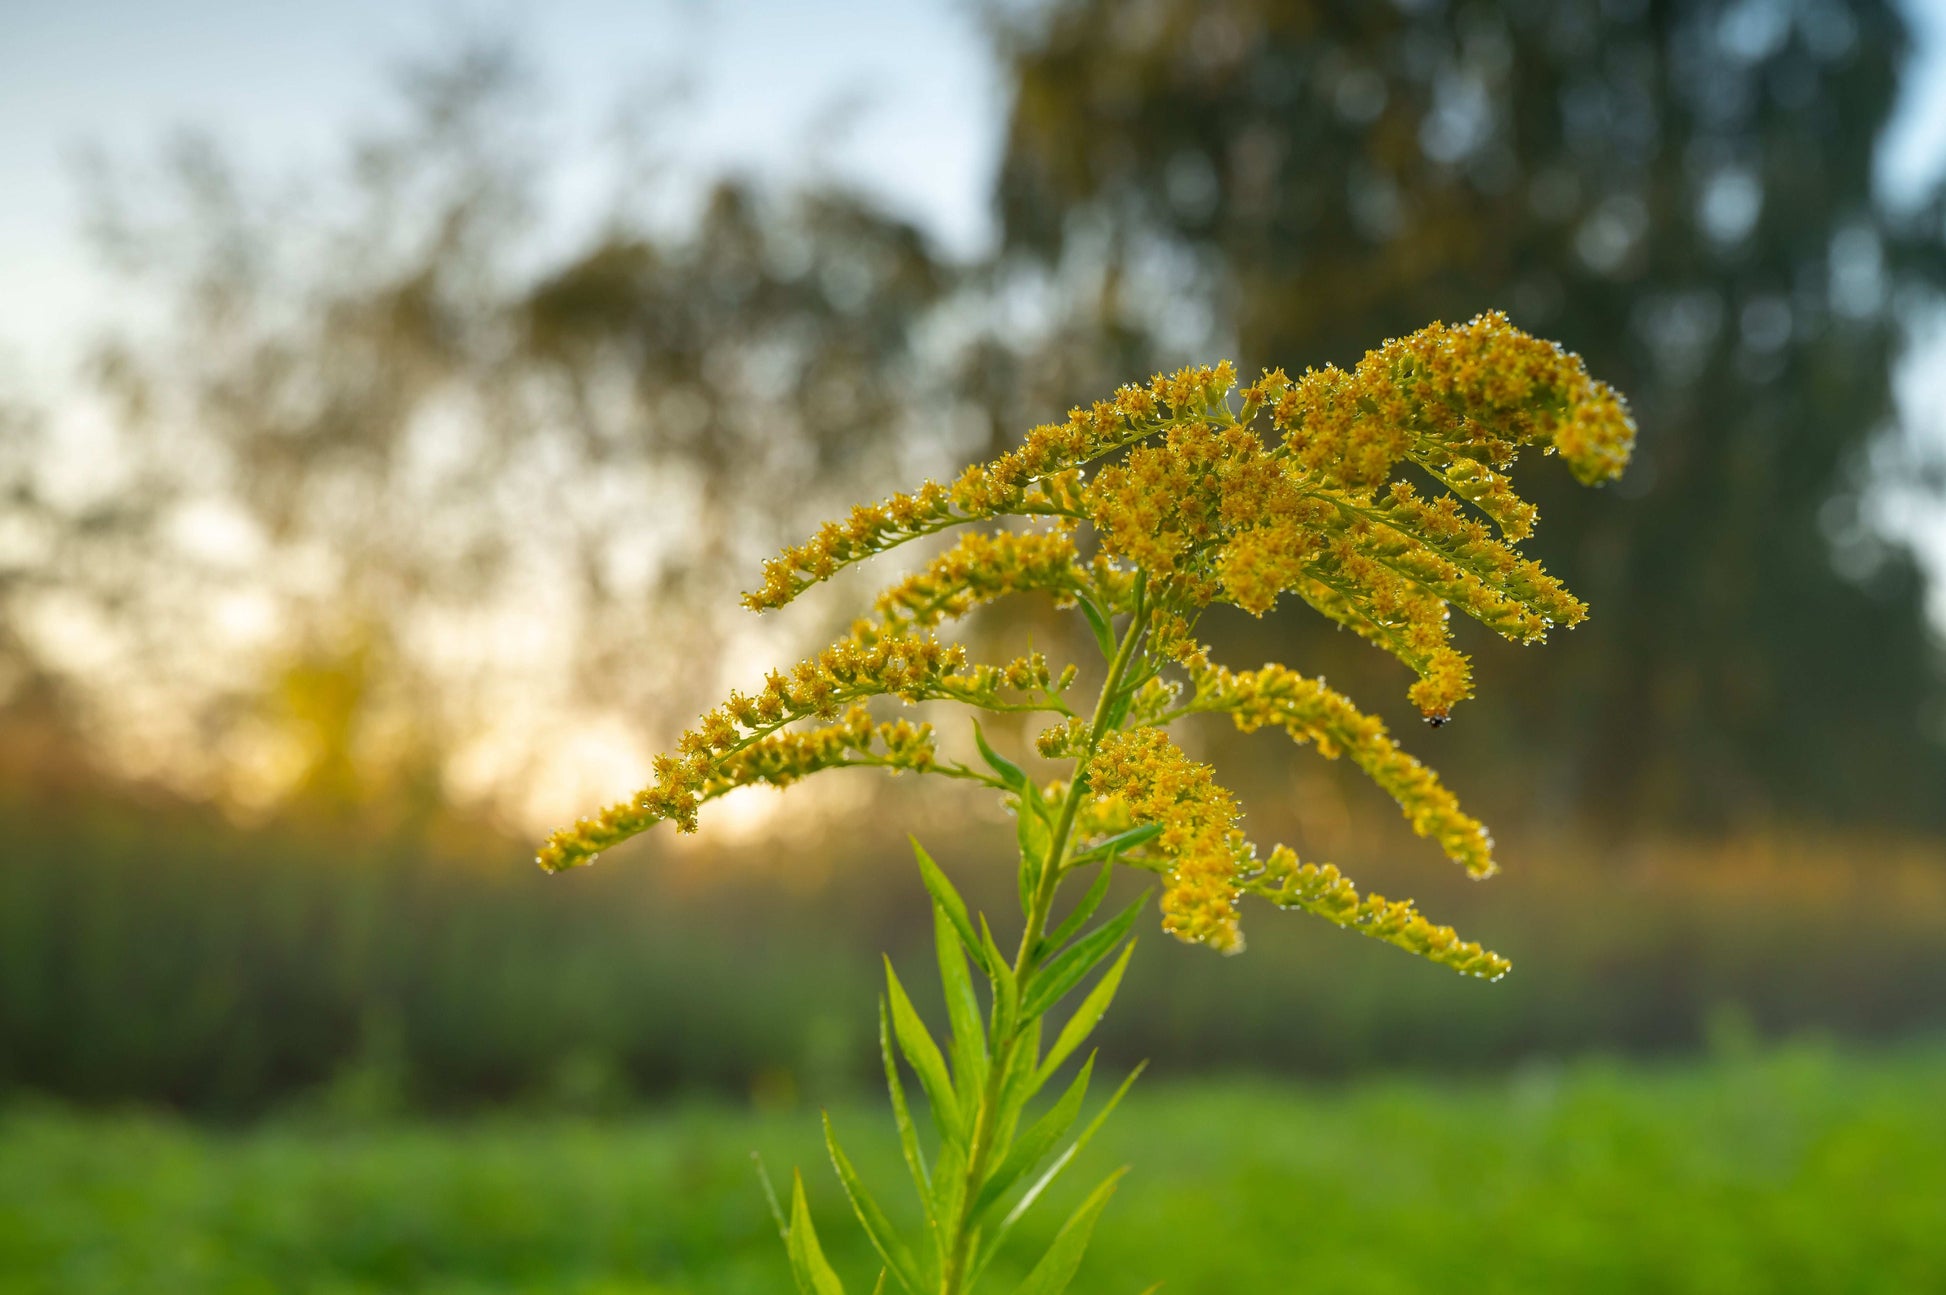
(1050, 878)
(980, 1147)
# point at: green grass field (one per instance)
(1798, 1169)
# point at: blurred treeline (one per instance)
(152, 952)
(417, 516)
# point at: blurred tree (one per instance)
(1681, 191)
(397, 465)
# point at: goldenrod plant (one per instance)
(1139, 514)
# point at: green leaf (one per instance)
(970, 1058)
(991, 1245)
(1009, 772)
(1097, 891)
(1034, 836)
(951, 1177)
(944, 895)
(1006, 989)
(1085, 1017)
(1016, 1086)
(915, 1158)
(1066, 969)
(770, 1198)
(877, 1227)
(1104, 634)
(1036, 1142)
(924, 1057)
(1074, 1149)
(1117, 843)
(1057, 1267)
(1028, 874)
(1032, 832)
(1118, 708)
(813, 1272)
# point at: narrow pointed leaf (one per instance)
(770, 1198)
(1006, 989)
(1057, 1267)
(1036, 1142)
(1034, 837)
(1017, 1086)
(1104, 635)
(898, 1258)
(1118, 708)
(1074, 1149)
(1028, 874)
(915, 1158)
(1053, 1171)
(814, 1273)
(1010, 773)
(1085, 1017)
(924, 1057)
(1119, 842)
(1074, 921)
(948, 899)
(1032, 833)
(1067, 967)
(962, 1010)
(951, 1177)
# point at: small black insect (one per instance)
(1434, 721)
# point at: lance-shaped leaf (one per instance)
(943, 893)
(1034, 834)
(1036, 1142)
(1006, 989)
(1017, 1085)
(923, 1055)
(915, 1157)
(898, 1258)
(1074, 921)
(1066, 968)
(1098, 623)
(1082, 1023)
(770, 1199)
(1117, 844)
(813, 1272)
(1057, 1267)
(991, 1245)
(970, 1057)
(1007, 771)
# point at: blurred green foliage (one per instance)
(156, 953)
(1797, 1170)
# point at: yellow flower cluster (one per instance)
(685, 783)
(1199, 840)
(1038, 479)
(1323, 890)
(1459, 401)
(1195, 493)
(910, 667)
(1311, 712)
(981, 568)
(985, 685)
(1220, 515)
